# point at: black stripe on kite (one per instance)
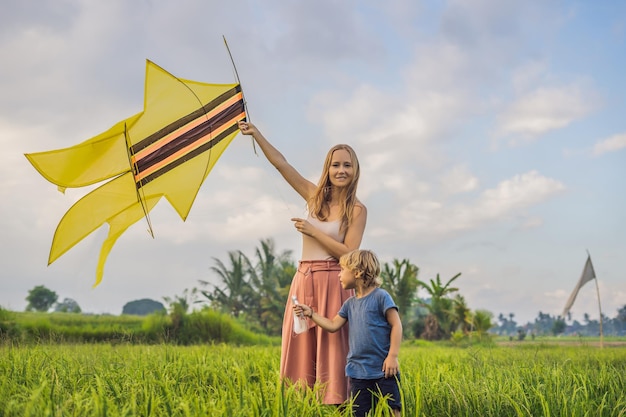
(202, 111)
(205, 147)
(198, 133)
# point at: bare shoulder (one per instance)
(308, 190)
(359, 209)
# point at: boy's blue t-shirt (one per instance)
(369, 335)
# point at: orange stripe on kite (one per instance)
(184, 129)
(190, 148)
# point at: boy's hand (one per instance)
(306, 311)
(391, 367)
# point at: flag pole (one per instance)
(599, 308)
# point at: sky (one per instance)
(491, 137)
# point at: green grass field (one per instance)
(526, 379)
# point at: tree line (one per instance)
(547, 324)
(253, 290)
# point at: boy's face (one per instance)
(347, 278)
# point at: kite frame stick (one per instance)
(208, 163)
(245, 104)
(140, 195)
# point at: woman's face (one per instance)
(341, 171)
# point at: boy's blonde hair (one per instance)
(364, 265)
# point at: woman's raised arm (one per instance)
(302, 186)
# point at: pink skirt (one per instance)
(317, 356)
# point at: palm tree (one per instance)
(179, 306)
(481, 321)
(462, 315)
(184, 301)
(400, 280)
(439, 320)
(271, 278)
(237, 294)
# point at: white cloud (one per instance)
(532, 223)
(518, 192)
(544, 109)
(458, 180)
(610, 144)
(508, 198)
(529, 75)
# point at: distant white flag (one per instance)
(587, 275)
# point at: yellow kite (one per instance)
(166, 150)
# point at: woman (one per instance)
(334, 226)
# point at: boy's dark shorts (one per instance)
(364, 401)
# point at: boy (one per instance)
(375, 332)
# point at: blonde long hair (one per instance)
(319, 203)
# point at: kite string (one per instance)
(204, 109)
(141, 195)
(208, 164)
(206, 115)
(245, 105)
(243, 96)
(210, 134)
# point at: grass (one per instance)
(223, 380)
(186, 329)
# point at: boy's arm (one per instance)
(326, 324)
(391, 365)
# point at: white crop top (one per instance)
(311, 249)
